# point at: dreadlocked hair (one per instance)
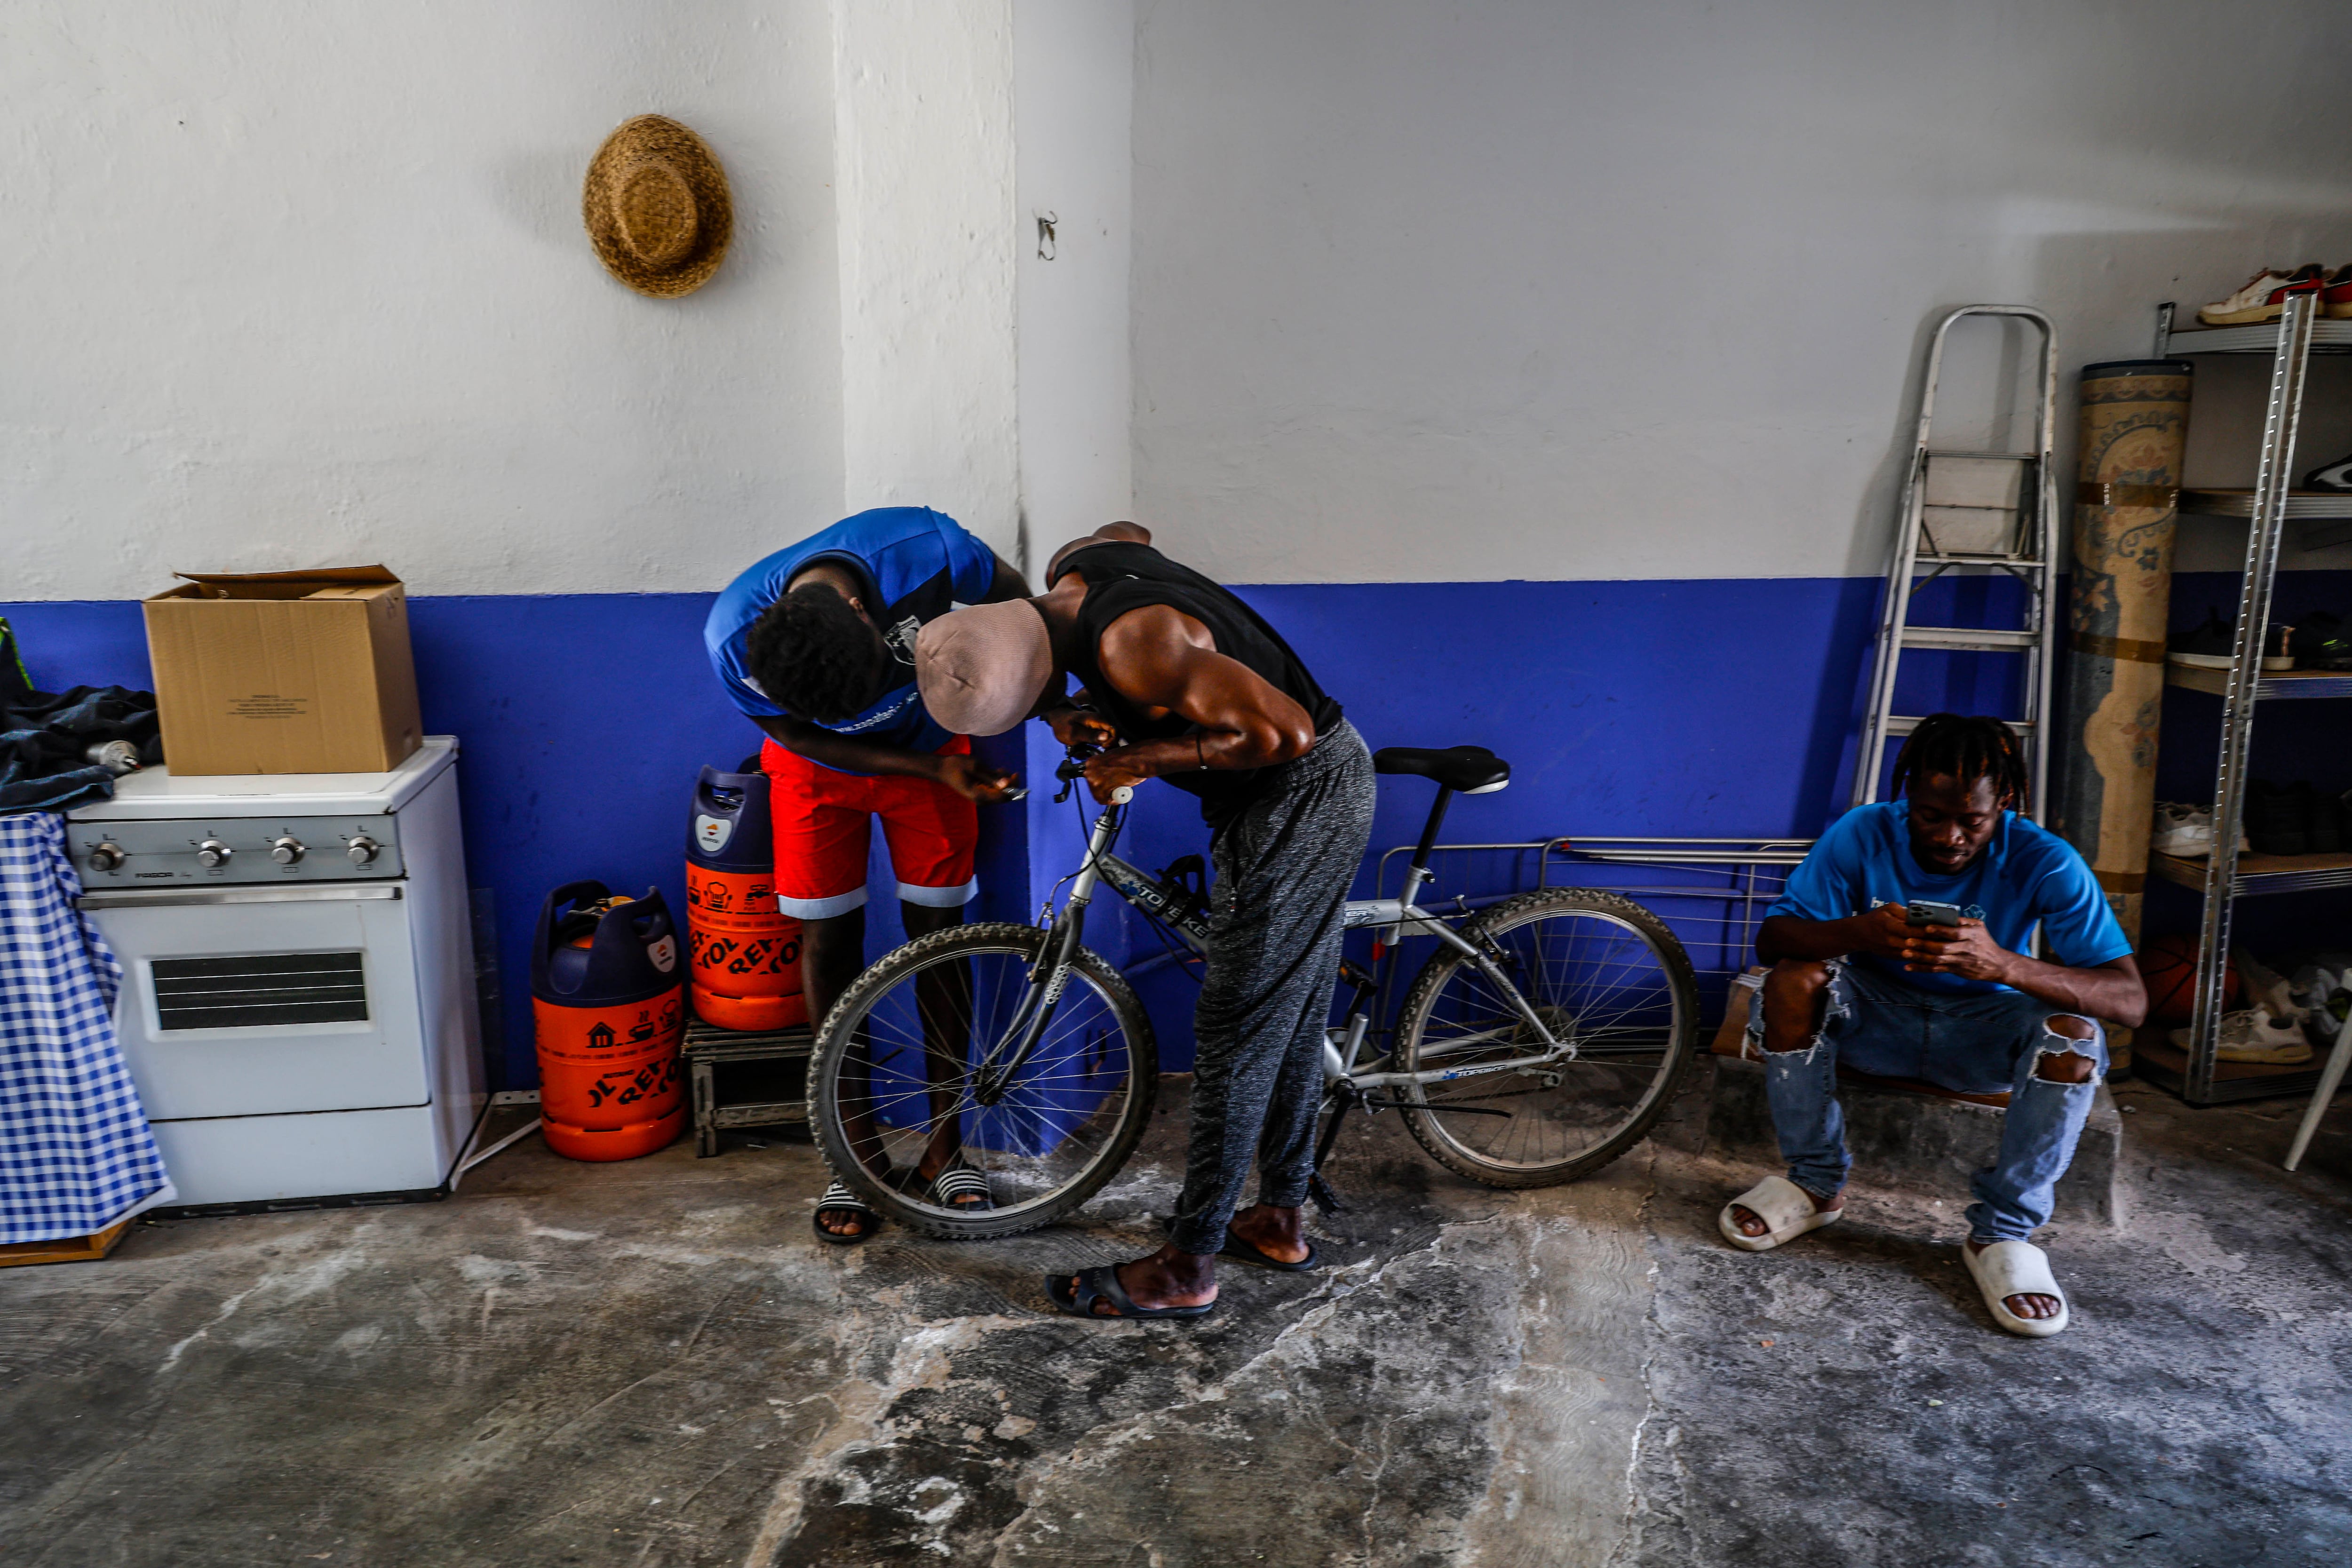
(814, 655)
(1968, 748)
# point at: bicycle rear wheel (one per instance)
(1603, 973)
(892, 1084)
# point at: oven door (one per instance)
(256, 1001)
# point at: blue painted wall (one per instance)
(1698, 707)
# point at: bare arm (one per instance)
(1008, 582)
(2112, 990)
(965, 775)
(1165, 661)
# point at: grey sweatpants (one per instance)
(1283, 869)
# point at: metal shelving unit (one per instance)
(2226, 875)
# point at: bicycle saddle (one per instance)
(1472, 770)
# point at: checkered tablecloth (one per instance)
(75, 1151)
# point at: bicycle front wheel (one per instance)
(896, 1091)
(1604, 976)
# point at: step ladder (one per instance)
(1970, 511)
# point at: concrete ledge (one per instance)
(1898, 1139)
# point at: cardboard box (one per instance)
(284, 672)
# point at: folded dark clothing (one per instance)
(46, 738)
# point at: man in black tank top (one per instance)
(1182, 681)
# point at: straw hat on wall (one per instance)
(657, 207)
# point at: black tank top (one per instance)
(1122, 578)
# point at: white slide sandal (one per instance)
(1785, 1207)
(2009, 1269)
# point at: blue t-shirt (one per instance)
(2026, 874)
(916, 565)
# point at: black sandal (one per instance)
(1102, 1285)
(839, 1199)
(1241, 1249)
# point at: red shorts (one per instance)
(822, 819)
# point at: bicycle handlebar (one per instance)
(1073, 767)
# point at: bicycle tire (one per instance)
(839, 1034)
(1681, 1051)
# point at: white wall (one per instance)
(289, 285)
(1483, 291)
(1524, 289)
(1074, 73)
(924, 127)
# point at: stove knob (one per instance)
(363, 850)
(212, 854)
(106, 856)
(286, 851)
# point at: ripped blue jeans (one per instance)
(1981, 1044)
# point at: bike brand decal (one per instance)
(1474, 1072)
(1150, 897)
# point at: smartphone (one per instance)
(1927, 912)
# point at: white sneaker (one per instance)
(2265, 988)
(2186, 830)
(2254, 1035)
(2263, 297)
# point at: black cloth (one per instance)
(1122, 578)
(45, 738)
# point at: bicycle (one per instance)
(1018, 1052)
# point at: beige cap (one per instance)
(982, 669)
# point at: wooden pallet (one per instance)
(65, 1248)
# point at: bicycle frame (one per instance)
(1399, 918)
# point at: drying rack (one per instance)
(1711, 892)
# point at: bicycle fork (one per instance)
(1002, 1064)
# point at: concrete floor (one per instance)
(655, 1363)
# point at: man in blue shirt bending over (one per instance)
(1867, 972)
(815, 644)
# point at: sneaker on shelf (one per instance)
(2335, 478)
(2254, 1035)
(2185, 830)
(2209, 647)
(2264, 296)
(2278, 818)
(2265, 988)
(2336, 292)
(2277, 655)
(2181, 829)
(2321, 641)
(2321, 990)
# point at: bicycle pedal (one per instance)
(1325, 1198)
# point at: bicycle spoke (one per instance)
(910, 1076)
(1600, 986)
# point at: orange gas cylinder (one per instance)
(746, 965)
(609, 1007)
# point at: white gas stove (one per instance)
(298, 1000)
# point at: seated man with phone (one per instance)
(1898, 949)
